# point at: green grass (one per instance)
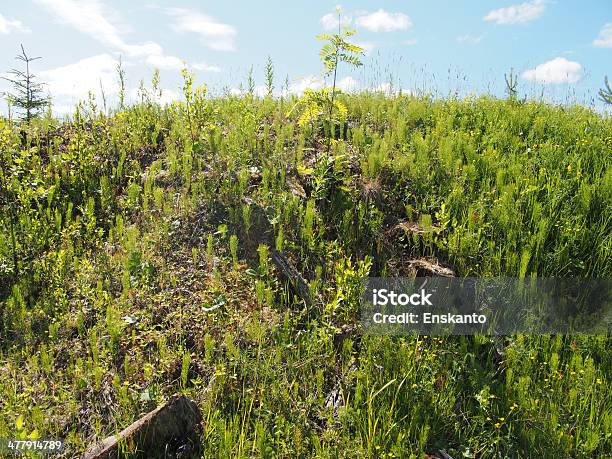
(135, 263)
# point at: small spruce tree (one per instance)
(27, 94)
(605, 93)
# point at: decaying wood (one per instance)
(295, 187)
(176, 419)
(288, 271)
(429, 268)
(335, 399)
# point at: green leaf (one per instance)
(303, 171)
(19, 422)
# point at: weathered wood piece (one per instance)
(177, 419)
(428, 268)
(288, 271)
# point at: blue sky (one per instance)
(561, 49)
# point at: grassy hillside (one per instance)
(135, 262)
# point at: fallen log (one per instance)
(429, 268)
(155, 434)
(288, 271)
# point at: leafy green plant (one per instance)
(317, 103)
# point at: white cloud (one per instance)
(604, 40)
(73, 82)
(167, 95)
(153, 54)
(149, 48)
(382, 21)
(348, 84)
(330, 21)
(88, 17)
(470, 39)
(204, 67)
(517, 14)
(367, 46)
(62, 109)
(161, 61)
(76, 80)
(11, 25)
(558, 70)
(308, 82)
(215, 35)
(379, 21)
(91, 17)
(260, 91)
